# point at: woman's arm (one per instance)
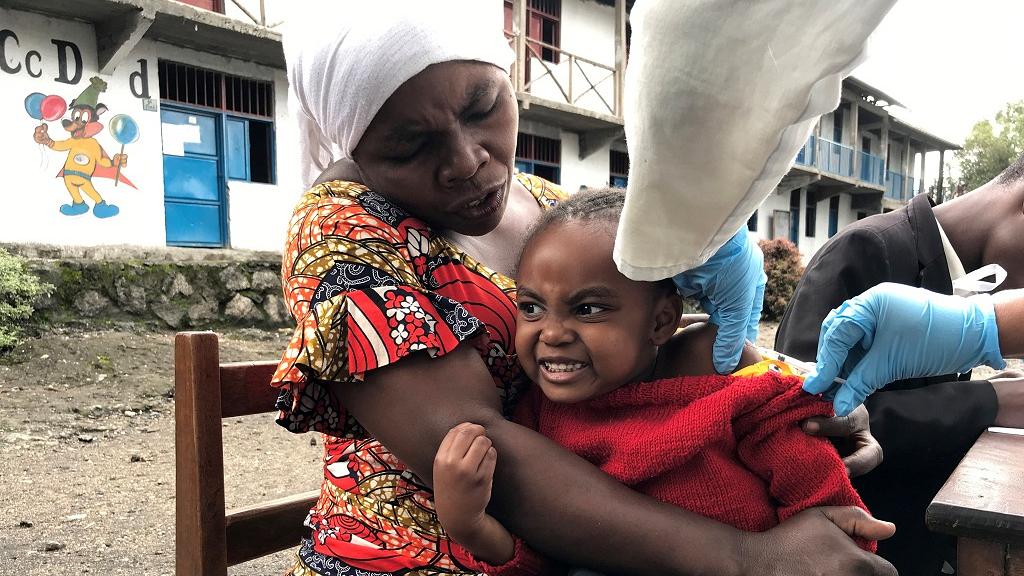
(568, 509)
(1009, 306)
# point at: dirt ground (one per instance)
(87, 452)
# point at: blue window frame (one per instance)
(249, 147)
(833, 216)
(618, 168)
(794, 216)
(539, 156)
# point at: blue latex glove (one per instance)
(893, 332)
(730, 286)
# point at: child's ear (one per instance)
(666, 318)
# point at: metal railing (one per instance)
(252, 11)
(806, 156)
(894, 185)
(574, 76)
(835, 158)
(872, 168)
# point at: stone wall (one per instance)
(176, 287)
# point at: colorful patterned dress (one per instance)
(368, 285)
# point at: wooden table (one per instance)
(982, 504)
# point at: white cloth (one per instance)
(956, 267)
(346, 57)
(720, 95)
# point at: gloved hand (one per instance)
(893, 332)
(730, 286)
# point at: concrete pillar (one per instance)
(938, 190)
(620, 54)
(906, 192)
(855, 128)
(885, 144)
(920, 183)
(519, 23)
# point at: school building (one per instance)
(169, 123)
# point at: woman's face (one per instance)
(443, 146)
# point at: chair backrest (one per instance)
(208, 540)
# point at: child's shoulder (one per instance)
(690, 352)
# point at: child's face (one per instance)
(584, 329)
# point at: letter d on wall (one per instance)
(62, 61)
(142, 77)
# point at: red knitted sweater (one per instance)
(726, 447)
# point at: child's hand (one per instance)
(463, 475)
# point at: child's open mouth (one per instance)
(561, 370)
(562, 366)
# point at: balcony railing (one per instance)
(255, 11)
(894, 185)
(837, 159)
(570, 79)
(806, 156)
(872, 169)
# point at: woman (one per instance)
(397, 271)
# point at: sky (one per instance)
(950, 62)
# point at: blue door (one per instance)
(194, 191)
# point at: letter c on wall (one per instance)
(28, 64)
(4, 36)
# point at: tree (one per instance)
(989, 149)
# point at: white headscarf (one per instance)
(346, 57)
(720, 96)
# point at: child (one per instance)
(618, 386)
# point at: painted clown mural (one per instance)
(86, 160)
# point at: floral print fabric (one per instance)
(368, 285)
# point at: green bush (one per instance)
(19, 290)
(783, 268)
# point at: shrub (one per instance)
(783, 268)
(19, 290)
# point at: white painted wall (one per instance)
(258, 213)
(807, 245)
(33, 191)
(591, 172)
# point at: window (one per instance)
(794, 216)
(833, 216)
(811, 217)
(249, 150)
(752, 222)
(543, 23)
(618, 168)
(539, 156)
(187, 84)
(248, 107)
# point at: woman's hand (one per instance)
(796, 545)
(852, 433)
(730, 286)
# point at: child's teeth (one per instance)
(556, 367)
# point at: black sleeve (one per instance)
(933, 424)
(849, 264)
(931, 420)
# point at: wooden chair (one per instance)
(207, 540)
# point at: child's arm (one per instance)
(802, 471)
(463, 474)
